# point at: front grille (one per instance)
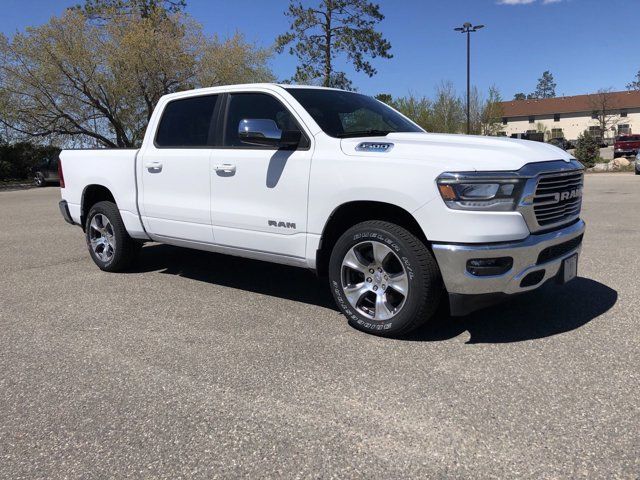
(557, 251)
(558, 197)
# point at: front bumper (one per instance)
(526, 254)
(626, 152)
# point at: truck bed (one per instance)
(114, 169)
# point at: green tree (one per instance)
(318, 34)
(416, 108)
(476, 105)
(520, 96)
(233, 60)
(17, 159)
(546, 86)
(587, 149)
(385, 98)
(448, 109)
(99, 82)
(102, 9)
(492, 113)
(635, 85)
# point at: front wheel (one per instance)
(384, 279)
(39, 180)
(109, 244)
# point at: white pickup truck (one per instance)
(340, 183)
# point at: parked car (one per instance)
(638, 163)
(534, 136)
(46, 172)
(562, 143)
(339, 183)
(626, 146)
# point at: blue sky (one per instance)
(587, 44)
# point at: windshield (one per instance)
(346, 114)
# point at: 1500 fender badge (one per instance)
(274, 223)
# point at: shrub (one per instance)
(5, 170)
(18, 160)
(587, 150)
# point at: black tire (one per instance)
(425, 287)
(125, 250)
(39, 180)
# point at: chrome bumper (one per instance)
(452, 260)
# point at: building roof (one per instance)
(575, 104)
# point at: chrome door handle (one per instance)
(153, 165)
(225, 168)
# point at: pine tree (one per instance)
(546, 86)
(333, 27)
(635, 85)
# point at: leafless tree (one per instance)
(605, 110)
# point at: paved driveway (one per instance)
(200, 365)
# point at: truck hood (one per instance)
(460, 152)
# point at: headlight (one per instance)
(469, 191)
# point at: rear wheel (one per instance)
(384, 279)
(109, 244)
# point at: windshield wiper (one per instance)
(365, 133)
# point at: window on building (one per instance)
(505, 120)
(529, 132)
(556, 117)
(557, 133)
(532, 119)
(623, 113)
(624, 129)
(596, 132)
(594, 115)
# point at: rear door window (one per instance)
(188, 123)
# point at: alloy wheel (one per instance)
(374, 280)
(101, 237)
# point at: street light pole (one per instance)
(468, 81)
(468, 28)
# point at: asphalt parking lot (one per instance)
(200, 365)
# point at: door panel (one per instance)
(177, 193)
(263, 205)
(176, 188)
(259, 195)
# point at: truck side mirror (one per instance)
(265, 132)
